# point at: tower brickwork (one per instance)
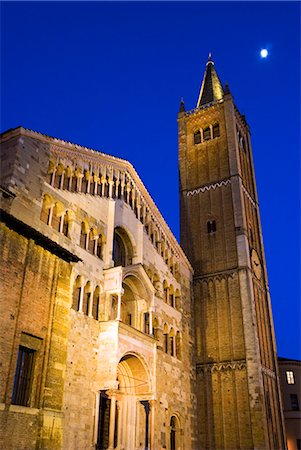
(237, 381)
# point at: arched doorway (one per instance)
(124, 414)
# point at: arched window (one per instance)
(50, 172)
(99, 247)
(56, 218)
(95, 308)
(215, 130)
(207, 134)
(165, 338)
(171, 296)
(122, 248)
(172, 342)
(197, 138)
(73, 187)
(76, 294)
(91, 242)
(178, 345)
(173, 432)
(65, 224)
(46, 209)
(155, 328)
(87, 298)
(84, 233)
(58, 176)
(177, 299)
(119, 251)
(165, 290)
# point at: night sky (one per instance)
(110, 76)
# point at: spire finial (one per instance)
(210, 59)
(182, 106)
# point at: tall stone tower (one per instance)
(239, 405)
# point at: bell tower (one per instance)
(239, 404)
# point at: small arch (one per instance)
(57, 214)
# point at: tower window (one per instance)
(290, 377)
(23, 376)
(294, 402)
(216, 131)
(207, 134)
(211, 226)
(197, 137)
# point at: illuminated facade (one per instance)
(100, 327)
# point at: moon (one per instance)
(264, 53)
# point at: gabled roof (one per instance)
(211, 88)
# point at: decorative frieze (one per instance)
(208, 187)
(222, 366)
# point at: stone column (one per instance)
(151, 321)
(119, 307)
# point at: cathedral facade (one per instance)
(114, 336)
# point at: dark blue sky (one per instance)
(110, 75)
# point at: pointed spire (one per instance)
(211, 89)
(182, 106)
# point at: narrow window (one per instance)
(76, 298)
(197, 137)
(95, 308)
(211, 226)
(171, 340)
(83, 236)
(23, 376)
(207, 134)
(294, 402)
(65, 225)
(91, 244)
(99, 248)
(290, 377)
(216, 131)
(268, 405)
(166, 343)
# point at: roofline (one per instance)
(20, 130)
(288, 360)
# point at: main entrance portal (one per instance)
(125, 415)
